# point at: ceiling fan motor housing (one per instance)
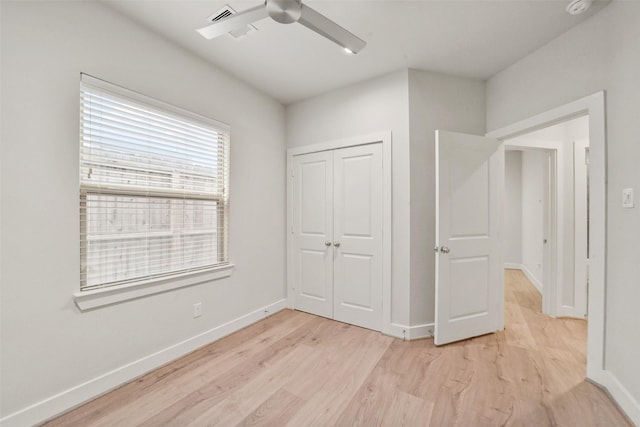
(284, 11)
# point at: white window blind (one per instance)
(153, 188)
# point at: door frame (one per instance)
(593, 106)
(380, 137)
(580, 220)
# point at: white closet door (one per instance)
(313, 227)
(357, 236)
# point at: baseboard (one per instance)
(533, 279)
(618, 393)
(411, 332)
(76, 396)
(512, 266)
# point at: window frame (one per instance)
(93, 296)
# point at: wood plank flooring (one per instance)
(296, 369)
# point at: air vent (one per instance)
(227, 11)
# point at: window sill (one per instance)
(87, 300)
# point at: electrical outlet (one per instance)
(627, 198)
(197, 310)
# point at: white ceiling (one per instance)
(474, 38)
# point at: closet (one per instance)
(337, 211)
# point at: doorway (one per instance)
(550, 165)
(594, 107)
(530, 212)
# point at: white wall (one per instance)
(600, 54)
(380, 104)
(412, 104)
(48, 345)
(513, 208)
(436, 101)
(534, 168)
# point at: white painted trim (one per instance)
(291, 303)
(410, 332)
(387, 239)
(580, 260)
(512, 266)
(87, 300)
(499, 235)
(76, 396)
(553, 230)
(421, 331)
(398, 331)
(340, 143)
(623, 398)
(551, 117)
(532, 278)
(379, 137)
(594, 106)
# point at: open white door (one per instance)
(469, 267)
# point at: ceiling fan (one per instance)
(287, 12)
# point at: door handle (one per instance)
(336, 244)
(444, 250)
(327, 243)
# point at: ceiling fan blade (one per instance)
(233, 22)
(329, 29)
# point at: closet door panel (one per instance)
(313, 229)
(357, 210)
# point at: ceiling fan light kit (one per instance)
(286, 12)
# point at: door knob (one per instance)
(327, 243)
(336, 244)
(444, 250)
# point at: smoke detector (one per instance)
(227, 11)
(576, 7)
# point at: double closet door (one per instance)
(337, 227)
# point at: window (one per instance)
(153, 188)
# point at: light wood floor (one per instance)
(297, 369)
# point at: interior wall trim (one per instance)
(89, 390)
(411, 333)
(532, 278)
(607, 381)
